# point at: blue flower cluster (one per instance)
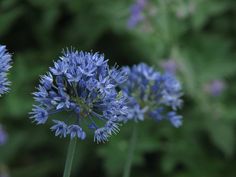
(82, 85)
(5, 65)
(152, 94)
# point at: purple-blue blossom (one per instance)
(81, 91)
(215, 87)
(169, 66)
(3, 135)
(136, 13)
(3, 171)
(152, 94)
(5, 65)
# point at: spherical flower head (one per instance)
(5, 65)
(80, 91)
(152, 94)
(3, 135)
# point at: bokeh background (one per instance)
(195, 39)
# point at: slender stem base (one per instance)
(70, 157)
(132, 145)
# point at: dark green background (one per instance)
(203, 43)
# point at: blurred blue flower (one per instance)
(81, 83)
(136, 11)
(152, 94)
(4, 172)
(169, 66)
(3, 136)
(5, 65)
(215, 87)
(174, 118)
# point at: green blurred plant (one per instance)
(202, 43)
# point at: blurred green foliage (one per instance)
(198, 34)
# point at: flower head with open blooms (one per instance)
(152, 94)
(81, 92)
(5, 65)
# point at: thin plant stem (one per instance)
(165, 22)
(131, 147)
(70, 157)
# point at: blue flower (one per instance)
(136, 11)
(81, 90)
(101, 135)
(3, 136)
(151, 94)
(41, 115)
(75, 130)
(169, 66)
(215, 87)
(5, 65)
(175, 119)
(60, 128)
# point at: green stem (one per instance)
(132, 145)
(70, 157)
(165, 21)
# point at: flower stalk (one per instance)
(70, 157)
(132, 144)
